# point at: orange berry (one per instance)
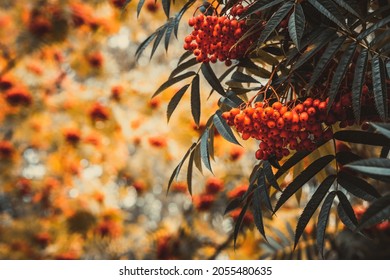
(277, 105)
(303, 117)
(287, 117)
(271, 124)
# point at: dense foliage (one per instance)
(292, 139)
(309, 82)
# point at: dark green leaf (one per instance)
(312, 206)
(381, 39)
(261, 184)
(372, 166)
(326, 57)
(166, 6)
(257, 212)
(382, 128)
(234, 98)
(303, 178)
(204, 149)
(345, 211)
(139, 6)
(189, 171)
(378, 211)
(274, 162)
(358, 81)
(350, 7)
(209, 74)
(243, 78)
(144, 44)
(168, 34)
(223, 128)
(175, 101)
(293, 160)
(239, 222)
(345, 157)
(388, 68)
(234, 204)
(339, 73)
(385, 152)
(184, 56)
(330, 10)
(173, 81)
(160, 34)
(374, 27)
(260, 6)
(211, 141)
(195, 99)
(308, 39)
(223, 76)
(274, 21)
(361, 137)
(379, 87)
(270, 175)
(180, 14)
(198, 159)
(320, 42)
(323, 218)
(296, 25)
(176, 171)
(181, 67)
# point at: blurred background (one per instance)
(86, 154)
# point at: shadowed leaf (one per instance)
(296, 25)
(378, 211)
(358, 80)
(345, 211)
(195, 99)
(323, 218)
(357, 186)
(303, 178)
(312, 206)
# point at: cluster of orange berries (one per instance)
(219, 37)
(280, 128)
